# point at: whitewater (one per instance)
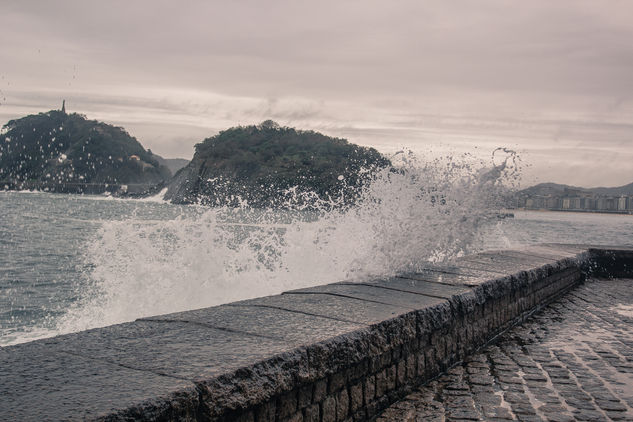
(71, 263)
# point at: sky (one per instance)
(552, 80)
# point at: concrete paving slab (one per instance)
(416, 286)
(620, 248)
(38, 382)
(532, 252)
(503, 264)
(463, 270)
(496, 264)
(372, 294)
(176, 349)
(516, 257)
(570, 250)
(292, 327)
(336, 307)
(440, 277)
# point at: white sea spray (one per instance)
(417, 212)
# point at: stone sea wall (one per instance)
(337, 352)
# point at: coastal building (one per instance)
(576, 200)
(622, 202)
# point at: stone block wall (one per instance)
(611, 262)
(338, 352)
(444, 334)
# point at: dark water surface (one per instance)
(73, 262)
(42, 262)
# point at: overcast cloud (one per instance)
(553, 80)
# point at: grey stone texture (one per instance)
(339, 352)
(573, 361)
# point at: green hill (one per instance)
(556, 189)
(173, 164)
(56, 148)
(259, 163)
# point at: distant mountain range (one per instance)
(556, 189)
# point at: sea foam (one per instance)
(407, 216)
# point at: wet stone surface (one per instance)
(572, 361)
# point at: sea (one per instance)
(73, 262)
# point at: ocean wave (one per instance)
(420, 211)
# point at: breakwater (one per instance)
(342, 351)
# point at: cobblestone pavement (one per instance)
(572, 361)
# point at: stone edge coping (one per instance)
(476, 279)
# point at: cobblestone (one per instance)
(572, 361)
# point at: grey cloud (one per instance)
(486, 73)
(357, 45)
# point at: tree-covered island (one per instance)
(262, 165)
(269, 165)
(66, 152)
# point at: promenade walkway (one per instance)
(347, 351)
(573, 361)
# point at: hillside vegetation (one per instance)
(260, 164)
(554, 189)
(56, 147)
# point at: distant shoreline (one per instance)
(122, 190)
(618, 212)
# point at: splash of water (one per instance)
(420, 212)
